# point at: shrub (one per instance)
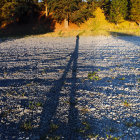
(19, 12)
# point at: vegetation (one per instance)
(26, 126)
(126, 104)
(135, 11)
(44, 15)
(19, 12)
(118, 11)
(93, 76)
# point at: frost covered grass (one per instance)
(70, 88)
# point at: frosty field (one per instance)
(75, 88)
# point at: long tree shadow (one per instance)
(52, 102)
(127, 37)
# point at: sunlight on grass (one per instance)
(98, 26)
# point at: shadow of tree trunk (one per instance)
(50, 106)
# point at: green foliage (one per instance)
(26, 126)
(18, 11)
(91, 136)
(50, 4)
(9, 11)
(55, 138)
(53, 127)
(118, 11)
(2, 2)
(93, 76)
(138, 124)
(86, 125)
(106, 7)
(38, 104)
(74, 11)
(31, 105)
(5, 113)
(82, 14)
(126, 104)
(129, 124)
(123, 78)
(135, 10)
(63, 9)
(92, 5)
(115, 138)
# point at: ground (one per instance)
(73, 88)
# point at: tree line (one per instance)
(75, 11)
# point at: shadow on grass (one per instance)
(50, 107)
(34, 27)
(117, 34)
(127, 37)
(62, 95)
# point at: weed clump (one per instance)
(93, 76)
(26, 126)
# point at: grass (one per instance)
(33, 105)
(85, 127)
(55, 138)
(29, 84)
(113, 78)
(38, 104)
(91, 136)
(26, 126)
(93, 76)
(53, 127)
(138, 124)
(109, 137)
(131, 124)
(126, 104)
(115, 138)
(122, 78)
(112, 130)
(5, 113)
(60, 33)
(84, 110)
(23, 94)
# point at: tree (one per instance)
(106, 7)
(92, 5)
(63, 10)
(48, 5)
(135, 11)
(118, 11)
(9, 11)
(19, 11)
(2, 2)
(85, 11)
